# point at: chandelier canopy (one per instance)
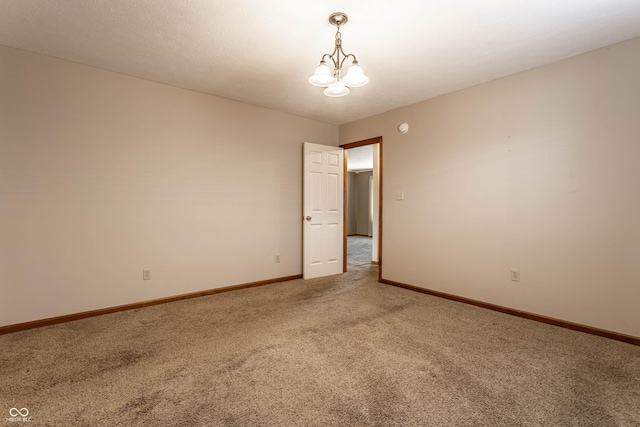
(335, 83)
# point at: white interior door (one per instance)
(323, 210)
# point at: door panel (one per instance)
(334, 240)
(333, 189)
(316, 192)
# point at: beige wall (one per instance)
(102, 175)
(537, 171)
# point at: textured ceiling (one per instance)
(360, 158)
(262, 53)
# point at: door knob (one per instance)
(308, 218)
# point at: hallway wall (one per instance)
(358, 199)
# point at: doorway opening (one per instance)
(363, 204)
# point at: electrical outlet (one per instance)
(146, 274)
(277, 258)
(515, 275)
(399, 195)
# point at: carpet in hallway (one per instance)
(359, 250)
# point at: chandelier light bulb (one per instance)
(336, 90)
(322, 77)
(355, 76)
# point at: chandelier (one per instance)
(334, 82)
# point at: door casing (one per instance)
(370, 141)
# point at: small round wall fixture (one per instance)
(403, 128)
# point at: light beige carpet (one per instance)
(343, 351)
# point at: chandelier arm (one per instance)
(330, 56)
(347, 56)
